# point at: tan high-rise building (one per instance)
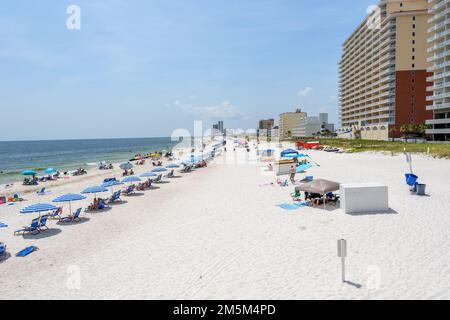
(288, 121)
(383, 71)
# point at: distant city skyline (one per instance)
(142, 69)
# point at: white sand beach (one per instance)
(216, 233)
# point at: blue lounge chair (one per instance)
(115, 197)
(42, 192)
(56, 214)
(75, 217)
(43, 223)
(2, 249)
(33, 228)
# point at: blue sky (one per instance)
(143, 68)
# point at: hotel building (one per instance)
(288, 121)
(439, 51)
(383, 71)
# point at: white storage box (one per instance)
(364, 197)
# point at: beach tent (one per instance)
(288, 152)
(320, 186)
(69, 198)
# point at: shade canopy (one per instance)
(69, 197)
(50, 171)
(148, 174)
(95, 189)
(159, 170)
(131, 179)
(126, 166)
(320, 186)
(293, 155)
(40, 207)
(29, 173)
(111, 183)
(303, 167)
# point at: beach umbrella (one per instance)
(131, 179)
(29, 173)
(159, 170)
(39, 207)
(126, 166)
(69, 198)
(94, 190)
(320, 186)
(50, 171)
(172, 165)
(111, 184)
(288, 151)
(148, 174)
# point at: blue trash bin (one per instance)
(411, 179)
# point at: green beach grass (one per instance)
(435, 149)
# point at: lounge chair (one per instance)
(2, 249)
(72, 218)
(41, 192)
(130, 190)
(43, 223)
(115, 197)
(33, 228)
(170, 174)
(56, 214)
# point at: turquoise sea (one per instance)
(16, 156)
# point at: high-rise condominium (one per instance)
(383, 71)
(439, 51)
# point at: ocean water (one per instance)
(70, 154)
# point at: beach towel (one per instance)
(2, 225)
(295, 206)
(26, 251)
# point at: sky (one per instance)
(142, 68)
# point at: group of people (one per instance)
(128, 173)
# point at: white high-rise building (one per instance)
(439, 51)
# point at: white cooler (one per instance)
(364, 197)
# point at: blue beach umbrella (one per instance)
(111, 184)
(172, 165)
(126, 166)
(29, 173)
(39, 207)
(50, 171)
(159, 170)
(95, 189)
(148, 175)
(69, 198)
(131, 179)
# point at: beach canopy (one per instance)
(148, 174)
(40, 207)
(131, 179)
(29, 173)
(69, 197)
(159, 170)
(320, 186)
(111, 183)
(288, 152)
(303, 167)
(172, 165)
(293, 155)
(50, 171)
(95, 189)
(126, 166)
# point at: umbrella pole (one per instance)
(324, 201)
(70, 208)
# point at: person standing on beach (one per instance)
(292, 174)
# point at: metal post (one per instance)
(342, 253)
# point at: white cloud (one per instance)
(305, 92)
(224, 110)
